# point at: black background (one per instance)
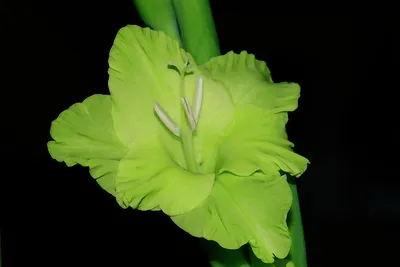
(56, 54)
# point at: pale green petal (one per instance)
(139, 76)
(84, 134)
(249, 82)
(257, 141)
(167, 186)
(244, 209)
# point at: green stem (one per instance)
(197, 29)
(298, 250)
(159, 15)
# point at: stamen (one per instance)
(189, 113)
(167, 120)
(198, 98)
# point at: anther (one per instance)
(198, 98)
(167, 120)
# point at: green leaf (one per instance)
(257, 141)
(249, 82)
(84, 134)
(241, 210)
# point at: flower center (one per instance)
(189, 113)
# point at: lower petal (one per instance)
(244, 210)
(149, 179)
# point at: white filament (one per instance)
(167, 120)
(189, 113)
(198, 98)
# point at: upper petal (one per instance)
(84, 134)
(139, 76)
(249, 82)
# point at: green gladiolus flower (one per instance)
(205, 144)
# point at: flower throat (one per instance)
(189, 116)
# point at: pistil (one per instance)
(189, 114)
